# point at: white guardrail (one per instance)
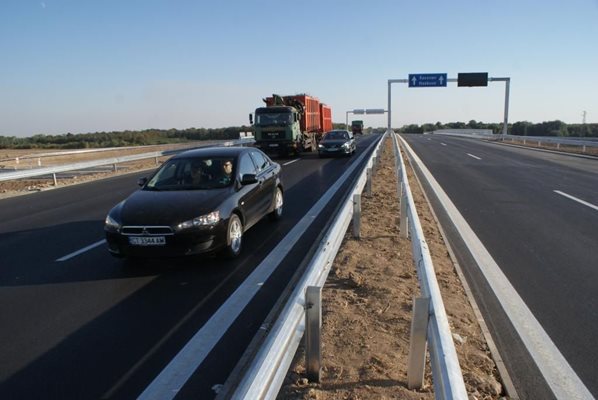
(446, 372)
(29, 173)
(264, 377)
(581, 142)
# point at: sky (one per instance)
(83, 66)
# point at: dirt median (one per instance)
(367, 309)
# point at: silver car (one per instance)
(337, 142)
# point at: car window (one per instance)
(246, 165)
(165, 175)
(260, 161)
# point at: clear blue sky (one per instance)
(85, 66)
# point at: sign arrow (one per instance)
(414, 80)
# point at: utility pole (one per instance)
(584, 117)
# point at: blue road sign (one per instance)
(427, 80)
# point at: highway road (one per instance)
(77, 323)
(537, 215)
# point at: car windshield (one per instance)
(193, 174)
(336, 135)
(274, 119)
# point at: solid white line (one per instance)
(476, 157)
(83, 250)
(292, 161)
(585, 203)
(563, 381)
(172, 378)
(444, 144)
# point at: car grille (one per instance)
(147, 230)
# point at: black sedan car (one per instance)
(198, 201)
(337, 142)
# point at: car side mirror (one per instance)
(142, 181)
(248, 179)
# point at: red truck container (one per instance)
(291, 124)
(325, 118)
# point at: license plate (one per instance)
(273, 145)
(147, 241)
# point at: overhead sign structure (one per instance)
(470, 79)
(427, 80)
(359, 111)
(375, 111)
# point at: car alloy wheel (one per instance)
(278, 203)
(234, 236)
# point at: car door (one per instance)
(266, 177)
(250, 195)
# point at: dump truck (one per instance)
(289, 125)
(357, 127)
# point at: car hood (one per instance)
(147, 207)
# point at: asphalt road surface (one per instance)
(537, 215)
(77, 323)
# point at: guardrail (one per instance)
(268, 369)
(585, 145)
(446, 372)
(98, 163)
(557, 142)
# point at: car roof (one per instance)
(229, 151)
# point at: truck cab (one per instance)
(277, 130)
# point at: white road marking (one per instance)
(83, 250)
(444, 144)
(563, 381)
(585, 203)
(174, 376)
(292, 161)
(476, 157)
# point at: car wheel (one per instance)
(278, 203)
(234, 237)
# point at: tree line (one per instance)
(120, 138)
(162, 136)
(522, 128)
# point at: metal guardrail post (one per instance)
(404, 225)
(156, 160)
(313, 327)
(368, 183)
(39, 162)
(583, 149)
(55, 181)
(357, 215)
(114, 167)
(418, 343)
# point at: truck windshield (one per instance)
(274, 119)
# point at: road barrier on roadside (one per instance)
(30, 173)
(430, 322)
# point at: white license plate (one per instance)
(147, 241)
(273, 145)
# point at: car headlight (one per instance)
(346, 145)
(210, 219)
(320, 146)
(110, 224)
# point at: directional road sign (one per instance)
(427, 80)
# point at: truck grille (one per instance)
(147, 230)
